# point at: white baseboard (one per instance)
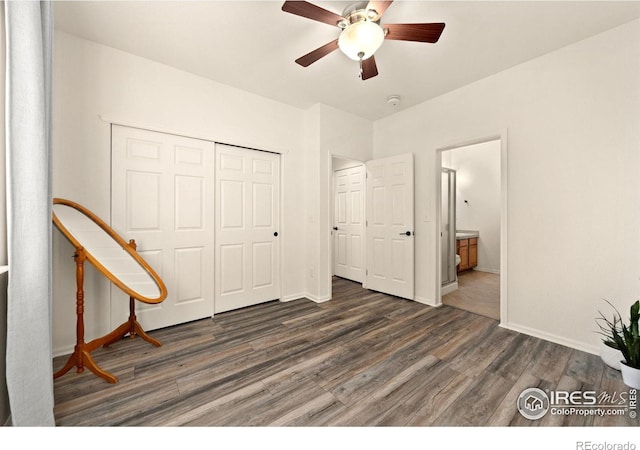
(313, 298)
(486, 269)
(451, 287)
(63, 351)
(317, 299)
(426, 301)
(292, 297)
(552, 338)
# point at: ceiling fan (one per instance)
(362, 34)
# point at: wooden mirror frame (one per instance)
(129, 247)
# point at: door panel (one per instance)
(349, 188)
(247, 269)
(390, 251)
(159, 186)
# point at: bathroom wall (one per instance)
(478, 198)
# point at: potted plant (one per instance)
(624, 337)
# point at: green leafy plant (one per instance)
(623, 336)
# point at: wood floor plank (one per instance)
(551, 362)
(440, 400)
(369, 380)
(585, 367)
(514, 359)
(476, 405)
(474, 359)
(362, 359)
(393, 401)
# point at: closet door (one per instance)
(247, 227)
(162, 196)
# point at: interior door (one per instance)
(389, 228)
(247, 255)
(161, 190)
(348, 229)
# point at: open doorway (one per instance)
(376, 196)
(471, 218)
(348, 218)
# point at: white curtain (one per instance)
(29, 39)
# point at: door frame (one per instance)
(502, 137)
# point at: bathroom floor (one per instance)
(478, 292)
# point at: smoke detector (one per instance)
(394, 100)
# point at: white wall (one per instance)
(573, 185)
(339, 134)
(478, 182)
(91, 80)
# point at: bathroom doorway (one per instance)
(470, 228)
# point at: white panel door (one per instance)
(247, 259)
(162, 194)
(348, 229)
(389, 229)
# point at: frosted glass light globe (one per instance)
(361, 37)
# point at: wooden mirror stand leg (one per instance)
(81, 356)
(131, 327)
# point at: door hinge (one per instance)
(366, 223)
(366, 272)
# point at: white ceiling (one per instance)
(253, 45)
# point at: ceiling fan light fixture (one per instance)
(360, 40)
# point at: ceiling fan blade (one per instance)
(369, 68)
(311, 11)
(379, 6)
(418, 32)
(318, 53)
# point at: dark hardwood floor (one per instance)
(361, 359)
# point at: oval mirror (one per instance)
(108, 252)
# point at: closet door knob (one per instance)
(335, 228)
(406, 233)
(275, 234)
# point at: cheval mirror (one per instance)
(117, 260)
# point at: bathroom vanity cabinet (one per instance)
(467, 248)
